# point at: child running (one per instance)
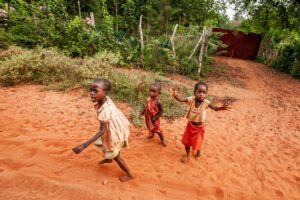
(114, 128)
(152, 111)
(196, 115)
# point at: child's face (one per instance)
(153, 91)
(200, 92)
(97, 93)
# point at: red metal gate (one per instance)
(239, 44)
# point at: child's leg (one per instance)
(151, 135)
(198, 154)
(105, 161)
(186, 158)
(125, 168)
(100, 146)
(162, 139)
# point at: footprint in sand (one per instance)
(30, 153)
(55, 144)
(279, 193)
(92, 154)
(162, 191)
(12, 164)
(60, 152)
(219, 193)
(54, 190)
(297, 179)
(36, 187)
(61, 172)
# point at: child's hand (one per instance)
(78, 149)
(173, 92)
(225, 106)
(153, 120)
(141, 115)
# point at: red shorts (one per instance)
(193, 136)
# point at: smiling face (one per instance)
(154, 91)
(200, 92)
(97, 92)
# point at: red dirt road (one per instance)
(250, 152)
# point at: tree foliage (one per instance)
(63, 24)
(278, 20)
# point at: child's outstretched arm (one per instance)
(178, 98)
(160, 112)
(225, 106)
(81, 147)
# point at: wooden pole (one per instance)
(203, 49)
(92, 19)
(173, 46)
(117, 24)
(79, 9)
(142, 39)
(197, 45)
(172, 41)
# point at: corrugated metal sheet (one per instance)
(239, 44)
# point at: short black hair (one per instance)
(197, 85)
(157, 85)
(105, 83)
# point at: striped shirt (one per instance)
(117, 124)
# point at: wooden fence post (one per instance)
(79, 9)
(203, 48)
(197, 45)
(172, 41)
(92, 19)
(142, 39)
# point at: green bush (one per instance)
(288, 59)
(134, 89)
(11, 51)
(57, 71)
(3, 40)
(36, 24)
(47, 24)
(158, 54)
(52, 68)
(80, 39)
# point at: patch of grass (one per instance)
(11, 51)
(133, 88)
(59, 72)
(48, 67)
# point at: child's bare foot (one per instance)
(185, 159)
(197, 155)
(126, 178)
(105, 161)
(78, 149)
(150, 136)
(163, 143)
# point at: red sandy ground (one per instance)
(250, 152)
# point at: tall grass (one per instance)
(59, 72)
